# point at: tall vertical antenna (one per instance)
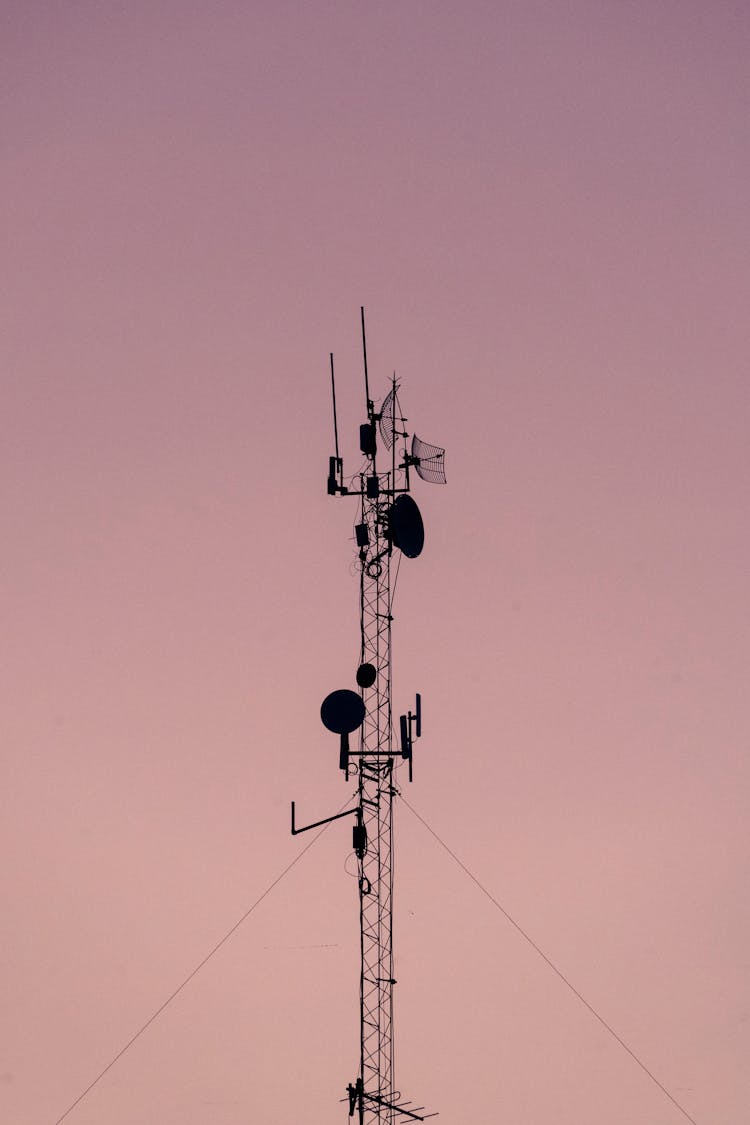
(335, 464)
(368, 402)
(389, 520)
(335, 421)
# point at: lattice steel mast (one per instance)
(389, 520)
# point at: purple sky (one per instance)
(543, 207)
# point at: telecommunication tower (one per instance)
(389, 521)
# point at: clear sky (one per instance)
(543, 207)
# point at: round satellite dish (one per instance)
(366, 675)
(407, 529)
(342, 711)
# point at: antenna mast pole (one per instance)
(368, 401)
(335, 421)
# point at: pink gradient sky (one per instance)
(543, 207)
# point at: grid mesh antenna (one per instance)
(389, 412)
(429, 460)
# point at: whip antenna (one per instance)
(364, 356)
(335, 423)
(335, 464)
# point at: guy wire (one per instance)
(558, 972)
(194, 972)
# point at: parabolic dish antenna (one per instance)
(342, 711)
(406, 527)
(366, 675)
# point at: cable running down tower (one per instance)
(389, 520)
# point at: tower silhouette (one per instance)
(389, 522)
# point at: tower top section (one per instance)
(385, 426)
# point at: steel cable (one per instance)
(552, 965)
(194, 973)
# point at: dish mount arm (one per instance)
(356, 811)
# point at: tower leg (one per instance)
(376, 794)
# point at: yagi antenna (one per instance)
(388, 521)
